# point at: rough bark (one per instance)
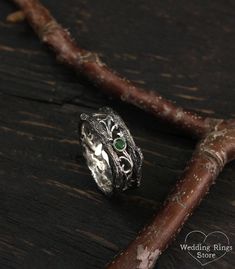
(91, 67)
(211, 154)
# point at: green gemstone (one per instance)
(119, 144)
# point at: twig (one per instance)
(89, 64)
(209, 159)
(16, 17)
(216, 148)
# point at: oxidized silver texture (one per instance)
(110, 151)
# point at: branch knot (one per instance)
(89, 57)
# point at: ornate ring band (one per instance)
(110, 151)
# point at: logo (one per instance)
(208, 248)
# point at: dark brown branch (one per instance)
(209, 159)
(91, 67)
(213, 152)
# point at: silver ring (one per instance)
(110, 151)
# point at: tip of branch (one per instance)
(16, 17)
